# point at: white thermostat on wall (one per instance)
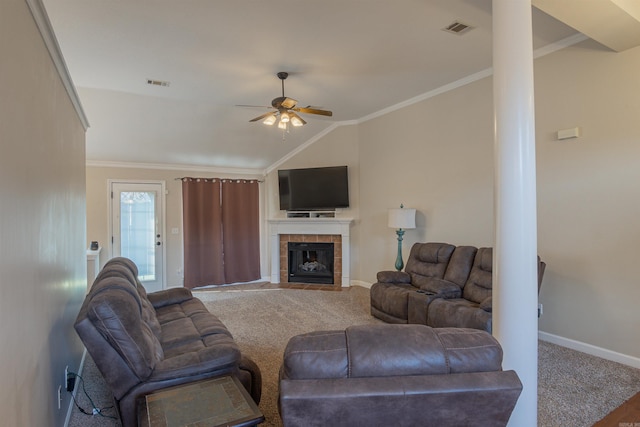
(568, 133)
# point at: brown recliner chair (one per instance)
(440, 268)
(442, 286)
(396, 375)
(473, 309)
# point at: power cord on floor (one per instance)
(95, 410)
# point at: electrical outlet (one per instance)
(70, 382)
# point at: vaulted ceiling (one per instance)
(354, 57)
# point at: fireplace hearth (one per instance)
(310, 262)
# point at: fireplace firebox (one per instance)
(310, 262)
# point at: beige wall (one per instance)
(42, 225)
(589, 195)
(338, 148)
(437, 156)
(98, 210)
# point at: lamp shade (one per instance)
(402, 218)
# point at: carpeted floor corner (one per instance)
(574, 389)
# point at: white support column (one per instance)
(515, 291)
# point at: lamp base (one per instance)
(399, 262)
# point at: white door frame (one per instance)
(163, 219)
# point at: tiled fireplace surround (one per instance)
(328, 230)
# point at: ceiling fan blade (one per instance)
(314, 111)
(264, 116)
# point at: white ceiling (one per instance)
(354, 57)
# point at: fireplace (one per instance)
(310, 262)
(310, 230)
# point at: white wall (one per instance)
(42, 225)
(437, 156)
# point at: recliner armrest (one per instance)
(169, 296)
(393, 277)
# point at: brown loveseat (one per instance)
(144, 342)
(442, 286)
(396, 375)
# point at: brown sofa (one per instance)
(396, 375)
(442, 286)
(145, 342)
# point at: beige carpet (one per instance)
(274, 316)
(575, 389)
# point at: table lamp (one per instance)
(401, 219)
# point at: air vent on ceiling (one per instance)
(457, 28)
(157, 83)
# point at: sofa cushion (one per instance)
(478, 287)
(319, 354)
(458, 313)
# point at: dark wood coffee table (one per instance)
(217, 402)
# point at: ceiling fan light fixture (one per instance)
(270, 120)
(284, 117)
(296, 121)
(282, 125)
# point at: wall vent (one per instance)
(457, 27)
(157, 83)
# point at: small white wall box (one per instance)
(568, 133)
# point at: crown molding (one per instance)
(41, 20)
(177, 167)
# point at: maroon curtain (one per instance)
(241, 230)
(202, 224)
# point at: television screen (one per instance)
(313, 188)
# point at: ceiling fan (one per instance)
(286, 110)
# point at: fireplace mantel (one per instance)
(337, 226)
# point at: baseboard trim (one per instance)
(603, 353)
(361, 283)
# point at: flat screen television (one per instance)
(309, 189)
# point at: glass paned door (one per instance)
(137, 228)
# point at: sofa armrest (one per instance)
(169, 296)
(221, 358)
(441, 288)
(393, 277)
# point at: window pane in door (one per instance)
(137, 231)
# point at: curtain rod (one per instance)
(220, 179)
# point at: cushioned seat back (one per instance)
(122, 345)
(126, 269)
(478, 286)
(428, 260)
(390, 350)
(460, 265)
